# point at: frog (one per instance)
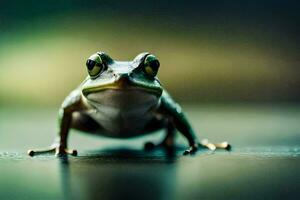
(123, 99)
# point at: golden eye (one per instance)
(149, 71)
(94, 65)
(151, 65)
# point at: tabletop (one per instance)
(264, 162)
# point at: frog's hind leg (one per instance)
(168, 142)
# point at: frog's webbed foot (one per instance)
(213, 146)
(58, 150)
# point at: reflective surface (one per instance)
(264, 163)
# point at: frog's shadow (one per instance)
(136, 155)
(129, 154)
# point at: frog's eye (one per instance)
(95, 66)
(151, 65)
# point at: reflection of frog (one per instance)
(122, 100)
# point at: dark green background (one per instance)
(210, 51)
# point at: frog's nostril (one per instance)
(123, 79)
(125, 75)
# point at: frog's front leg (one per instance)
(170, 109)
(70, 105)
(182, 124)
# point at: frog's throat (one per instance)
(113, 86)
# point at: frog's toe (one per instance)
(30, 152)
(223, 145)
(191, 150)
(228, 147)
(64, 151)
(59, 151)
(33, 152)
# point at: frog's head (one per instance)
(107, 74)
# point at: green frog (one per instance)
(123, 99)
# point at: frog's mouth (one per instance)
(140, 86)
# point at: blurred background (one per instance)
(210, 51)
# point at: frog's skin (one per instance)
(121, 100)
